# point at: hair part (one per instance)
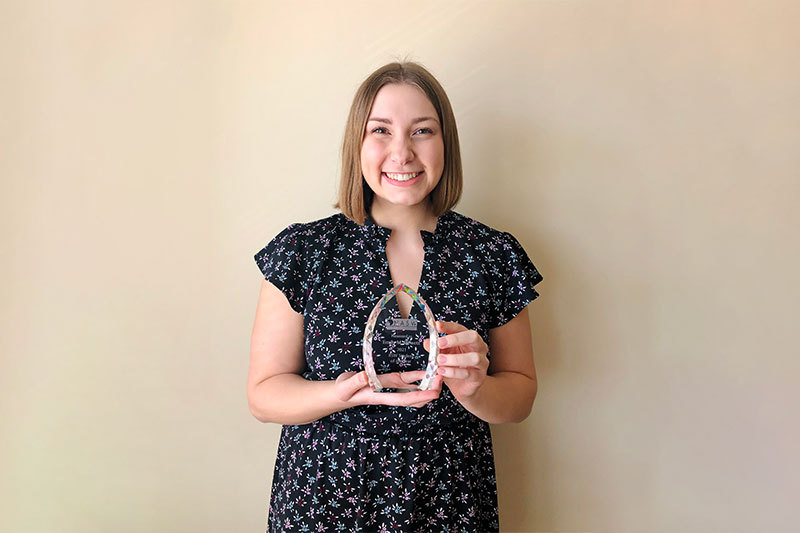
(355, 195)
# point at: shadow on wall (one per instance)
(502, 195)
(520, 183)
(515, 458)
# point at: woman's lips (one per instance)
(399, 183)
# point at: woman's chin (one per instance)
(405, 200)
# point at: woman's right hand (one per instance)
(354, 388)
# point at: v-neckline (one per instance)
(428, 240)
(396, 282)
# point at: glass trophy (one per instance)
(391, 333)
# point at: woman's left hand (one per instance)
(463, 360)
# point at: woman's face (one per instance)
(402, 156)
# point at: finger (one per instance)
(468, 339)
(350, 384)
(449, 327)
(436, 385)
(404, 399)
(426, 343)
(453, 372)
(412, 376)
(463, 360)
(400, 380)
(343, 376)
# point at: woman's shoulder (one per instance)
(303, 240)
(314, 231)
(470, 229)
(491, 245)
(499, 251)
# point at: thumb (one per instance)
(349, 383)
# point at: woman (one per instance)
(351, 458)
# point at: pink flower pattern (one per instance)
(378, 468)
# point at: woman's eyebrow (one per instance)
(388, 121)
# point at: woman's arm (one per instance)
(510, 387)
(276, 392)
(499, 391)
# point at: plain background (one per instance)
(645, 154)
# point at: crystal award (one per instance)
(369, 332)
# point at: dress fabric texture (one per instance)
(383, 468)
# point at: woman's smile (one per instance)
(405, 179)
(402, 151)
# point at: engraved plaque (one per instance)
(400, 337)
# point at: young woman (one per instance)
(351, 458)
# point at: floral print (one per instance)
(384, 468)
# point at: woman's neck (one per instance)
(402, 219)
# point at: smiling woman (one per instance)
(372, 115)
(401, 161)
(352, 458)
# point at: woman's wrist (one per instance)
(467, 397)
(501, 398)
(292, 399)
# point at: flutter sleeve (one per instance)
(283, 263)
(514, 281)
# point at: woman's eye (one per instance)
(384, 130)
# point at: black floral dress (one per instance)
(382, 468)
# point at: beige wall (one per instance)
(645, 154)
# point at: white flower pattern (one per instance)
(381, 468)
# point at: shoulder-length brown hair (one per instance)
(355, 196)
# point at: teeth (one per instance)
(403, 177)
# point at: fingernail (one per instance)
(442, 359)
(443, 342)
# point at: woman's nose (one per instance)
(401, 151)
